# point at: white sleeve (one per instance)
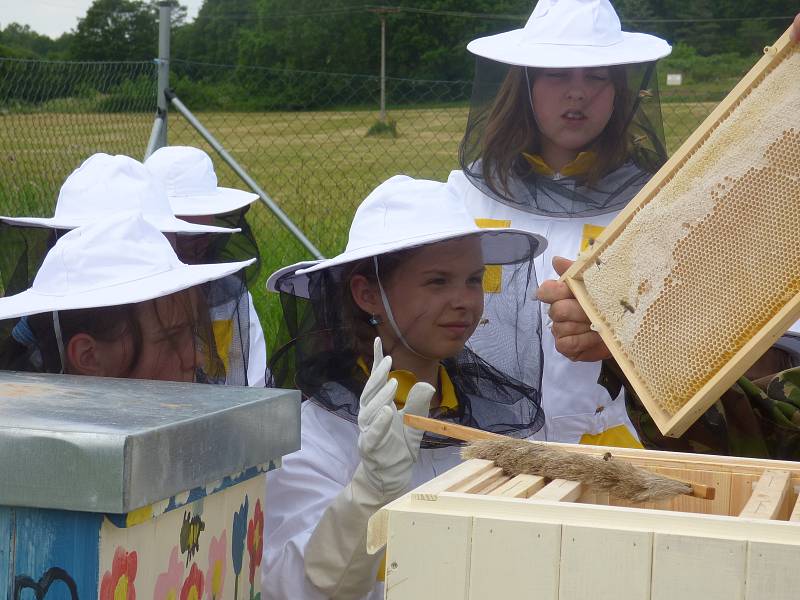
(257, 349)
(298, 494)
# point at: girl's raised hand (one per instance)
(571, 327)
(796, 29)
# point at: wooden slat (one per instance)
(599, 563)
(768, 496)
(698, 567)
(795, 516)
(456, 476)
(474, 484)
(493, 485)
(429, 556)
(514, 560)
(521, 486)
(559, 490)
(772, 572)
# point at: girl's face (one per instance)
(436, 297)
(167, 346)
(571, 107)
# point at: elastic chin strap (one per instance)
(390, 316)
(59, 340)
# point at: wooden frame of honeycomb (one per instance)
(700, 274)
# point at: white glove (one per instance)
(336, 558)
(388, 448)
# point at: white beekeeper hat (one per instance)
(403, 213)
(571, 33)
(188, 174)
(120, 260)
(106, 185)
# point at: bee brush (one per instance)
(617, 477)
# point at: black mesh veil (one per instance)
(323, 349)
(30, 344)
(213, 248)
(222, 335)
(568, 196)
(229, 297)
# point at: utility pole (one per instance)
(164, 23)
(382, 12)
(158, 134)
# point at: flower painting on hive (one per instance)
(255, 543)
(168, 583)
(217, 564)
(238, 534)
(118, 583)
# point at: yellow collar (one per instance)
(406, 380)
(580, 165)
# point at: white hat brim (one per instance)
(497, 250)
(224, 201)
(161, 284)
(163, 224)
(515, 48)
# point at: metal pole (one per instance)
(155, 136)
(383, 68)
(164, 17)
(276, 210)
(382, 11)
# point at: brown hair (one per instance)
(111, 323)
(511, 130)
(354, 319)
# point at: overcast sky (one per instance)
(54, 17)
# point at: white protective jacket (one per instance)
(307, 482)
(577, 409)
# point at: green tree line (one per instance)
(426, 39)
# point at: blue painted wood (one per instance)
(47, 539)
(6, 536)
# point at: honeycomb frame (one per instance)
(692, 393)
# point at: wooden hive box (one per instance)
(121, 488)
(473, 534)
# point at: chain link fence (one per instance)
(312, 140)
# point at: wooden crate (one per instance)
(473, 533)
(700, 274)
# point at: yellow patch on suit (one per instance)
(590, 234)
(619, 437)
(493, 275)
(223, 336)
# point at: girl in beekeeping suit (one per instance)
(191, 183)
(111, 299)
(564, 129)
(103, 186)
(374, 333)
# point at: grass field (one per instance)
(316, 165)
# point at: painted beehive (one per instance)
(700, 274)
(473, 533)
(122, 488)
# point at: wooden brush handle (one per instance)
(451, 430)
(470, 434)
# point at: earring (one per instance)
(374, 320)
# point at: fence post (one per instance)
(381, 12)
(251, 183)
(158, 135)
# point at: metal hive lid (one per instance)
(114, 445)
